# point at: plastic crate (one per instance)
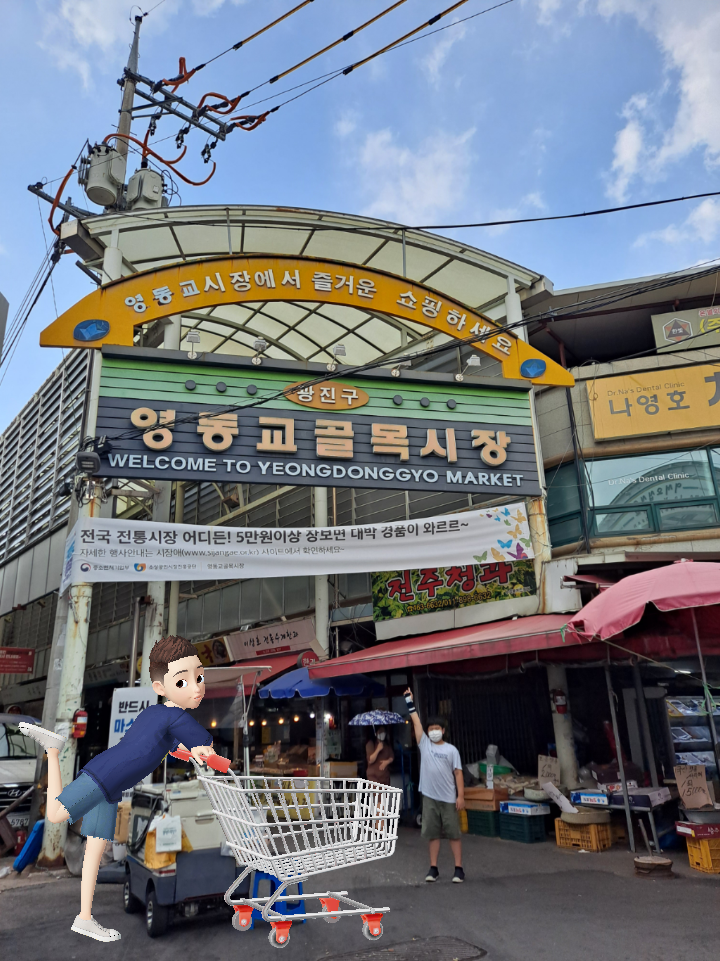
(588, 837)
(485, 823)
(704, 855)
(520, 827)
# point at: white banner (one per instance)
(271, 639)
(104, 549)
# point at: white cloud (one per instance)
(630, 148)
(702, 225)
(80, 34)
(347, 124)
(529, 205)
(435, 60)
(414, 185)
(688, 34)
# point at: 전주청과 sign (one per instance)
(655, 401)
(169, 421)
(404, 593)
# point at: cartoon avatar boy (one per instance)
(177, 675)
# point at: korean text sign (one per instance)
(170, 425)
(404, 593)
(117, 550)
(126, 705)
(655, 401)
(271, 639)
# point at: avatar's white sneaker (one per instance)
(48, 739)
(94, 930)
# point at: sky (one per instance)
(538, 107)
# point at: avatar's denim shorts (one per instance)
(84, 799)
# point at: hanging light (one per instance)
(296, 718)
(213, 723)
(312, 714)
(251, 723)
(281, 720)
(263, 723)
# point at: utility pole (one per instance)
(128, 99)
(78, 601)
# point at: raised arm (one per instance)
(417, 726)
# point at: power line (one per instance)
(330, 46)
(587, 213)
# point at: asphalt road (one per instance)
(519, 902)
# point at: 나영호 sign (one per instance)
(655, 401)
(165, 421)
(115, 550)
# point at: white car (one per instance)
(18, 757)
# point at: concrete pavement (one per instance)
(519, 902)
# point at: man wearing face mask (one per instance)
(379, 756)
(442, 788)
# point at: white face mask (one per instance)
(435, 735)
(381, 735)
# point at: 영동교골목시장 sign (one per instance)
(178, 421)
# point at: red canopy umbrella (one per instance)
(679, 585)
(684, 584)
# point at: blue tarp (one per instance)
(298, 682)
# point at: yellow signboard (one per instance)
(655, 401)
(110, 314)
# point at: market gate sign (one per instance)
(163, 421)
(110, 314)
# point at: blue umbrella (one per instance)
(298, 682)
(377, 719)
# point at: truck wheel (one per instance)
(131, 904)
(156, 916)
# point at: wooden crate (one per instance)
(589, 837)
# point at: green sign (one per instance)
(403, 593)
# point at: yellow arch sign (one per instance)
(110, 314)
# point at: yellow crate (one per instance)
(704, 854)
(589, 837)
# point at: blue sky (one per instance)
(542, 106)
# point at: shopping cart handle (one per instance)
(215, 761)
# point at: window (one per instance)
(669, 491)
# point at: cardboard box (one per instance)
(343, 769)
(484, 799)
(122, 822)
(642, 797)
(590, 798)
(616, 787)
(529, 808)
(701, 832)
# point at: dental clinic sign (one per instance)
(243, 423)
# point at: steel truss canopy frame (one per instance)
(308, 330)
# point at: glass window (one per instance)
(650, 478)
(566, 531)
(563, 493)
(620, 522)
(14, 744)
(689, 515)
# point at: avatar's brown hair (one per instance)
(167, 650)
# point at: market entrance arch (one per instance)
(110, 314)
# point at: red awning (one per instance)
(223, 681)
(534, 633)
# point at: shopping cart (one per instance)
(292, 828)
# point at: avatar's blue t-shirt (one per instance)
(155, 731)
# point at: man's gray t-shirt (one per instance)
(438, 762)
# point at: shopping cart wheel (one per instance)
(273, 939)
(241, 922)
(375, 934)
(332, 919)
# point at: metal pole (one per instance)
(708, 696)
(246, 733)
(645, 724)
(404, 257)
(128, 98)
(621, 766)
(322, 598)
(132, 669)
(175, 585)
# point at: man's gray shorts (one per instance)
(439, 819)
